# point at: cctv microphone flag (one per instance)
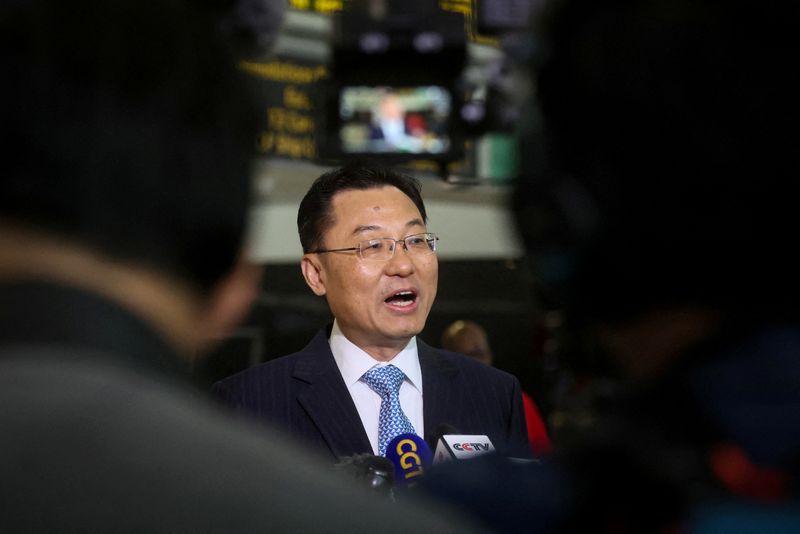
(462, 447)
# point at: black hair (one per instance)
(315, 214)
(126, 127)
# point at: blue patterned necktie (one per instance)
(385, 381)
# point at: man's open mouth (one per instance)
(402, 298)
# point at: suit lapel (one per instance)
(437, 390)
(327, 401)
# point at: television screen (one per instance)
(395, 120)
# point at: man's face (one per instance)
(391, 108)
(379, 305)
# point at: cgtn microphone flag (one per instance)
(410, 456)
(461, 447)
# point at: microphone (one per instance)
(410, 456)
(451, 444)
(376, 471)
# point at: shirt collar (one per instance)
(353, 362)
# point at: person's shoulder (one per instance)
(280, 366)
(262, 380)
(464, 363)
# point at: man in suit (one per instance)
(367, 249)
(122, 209)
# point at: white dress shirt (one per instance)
(354, 362)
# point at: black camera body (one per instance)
(393, 90)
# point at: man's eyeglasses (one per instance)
(383, 249)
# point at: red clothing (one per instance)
(537, 431)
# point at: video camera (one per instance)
(400, 85)
(393, 87)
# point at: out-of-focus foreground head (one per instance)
(468, 337)
(664, 179)
(126, 151)
(126, 129)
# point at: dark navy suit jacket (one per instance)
(305, 393)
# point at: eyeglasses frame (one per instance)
(396, 241)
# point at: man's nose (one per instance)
(401, 263)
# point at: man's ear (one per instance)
(314, 273)
(229, 303)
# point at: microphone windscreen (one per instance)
(376, 472)
(411, 456)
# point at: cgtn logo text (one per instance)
(410, 462)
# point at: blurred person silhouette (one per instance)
(470, 338)
(390, 130)
(660, 184)
(126, 151)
